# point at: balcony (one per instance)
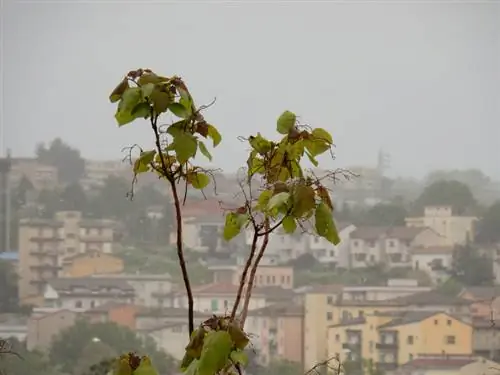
(386, 366)
(386, 345)
(352, 346)
(43, 267)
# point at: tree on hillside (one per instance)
(25, 362)
(73, 198)
(385, 214)
(488, 228)
(471, 268)
(8, 288)
(68, 161)
(452, 193)
(67, 348)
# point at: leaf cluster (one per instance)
(132, 364)
(291, 196)
(217, 345)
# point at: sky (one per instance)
(419, 79)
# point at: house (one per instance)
(170, 337)
(44, 327)
(392, 338)
(277, 332)
(454, 229)
(434, 300)
(485, 301)
(86, 293)
(149, 288)
(148, 318)
(448, 365)
(327, 253)
(13, 326)
(486, 338)
(367, 246)
(91, 263)
(436, 261)
(115, 312)
(218, 298)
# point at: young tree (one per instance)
(289, 196)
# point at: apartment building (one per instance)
(41, 176)
(86, 292)
(389, 245)
(277, 332)
(43, 327)
(266, 275)
(454, 230)
(447, 365)
(436, 261)
(45, 243)
(91, 263)
(326, 305)
(486, 338)
(98, 171)
(393, 338)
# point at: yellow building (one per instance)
(93, 263)
(392, 338)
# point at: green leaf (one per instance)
(147, 89)
(264, 198)
(325, 226)
(185, 146)
(260, 144)
(303, 200)
(131, 97)
(278, 200)
(312, 159)
(234, 223)
(323, 135)
(214, 134)
(238, 336)
(286, 122)
(176, 128)
(289, 224)
(141, 165)
(204, 151)
(161, 100)
(316, 146)
(325, 197)
(191, 368)
(141, 110)
(147, 78)
(145, 368)
(179, 110)
(239, 357)
(215, 353)
(199, 180)
(119, 90)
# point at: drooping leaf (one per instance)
(118, 91)
(255, 164)
(260, 144)
(286, 122)
(215, 353)
(325, 197)
(324, 224)
(191, 368)
(323, 135)
(179, 110)
(198, 180)
(239, 357)
(316, 146)
(289, 224)
(278, 200)
(122, 366)
(147, 89)
(239, 338)
(141, 165)
(312, 159)
(161, 100)
(193, 349)
(204, 151)
(233, 224)
(130, 99)
(141, 110)
(145, 367)
(214, 134)
(303, 200)
(185, 146)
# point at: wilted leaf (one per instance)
(325, 197)
(239, 338)
(161, 100)
(185, 146)
(325, 226)
(147, 78)
(204, 151)
(234, 223)
(214, 134)
(289, 224)
(286, 122)
(239, 357)
(122, 366)
(303, 200)
(179, 110)
(323, 135)
(215, 353)
(119, 90)
(198, 180)
(278, 200)
(193, 349)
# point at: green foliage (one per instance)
(453, 193)
(23, 361)
(290, 197)
(488, 229)
(388, 214)
(471, 268)
(8, 288)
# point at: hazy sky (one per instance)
(419, 79)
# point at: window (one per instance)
(448, 322)
(450, 340)
(409, 340)
(215, 304)
(78, 304)
(332, 253)
(329, 316)
(92, 304)
(268, 279)
(329, 300)
(355, 243)
(410, 357)
(337, 337)
(273, 279)
(436, 322)
(391, 243)
(361, 313)
(226, 304)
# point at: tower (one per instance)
(5, 214)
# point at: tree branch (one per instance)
(248, 293)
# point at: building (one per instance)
(454, 230)
(149, 289)
(91, 263)
(98, 171)
(123, 314)
(393, 338)
(44, 327)
(277, 332)
(448, 365)
(13, 326)
(485, 301)
(86, 293)
(41, 176)
(486, 338)
(45, 243)
(436, 261)
(266, 275)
